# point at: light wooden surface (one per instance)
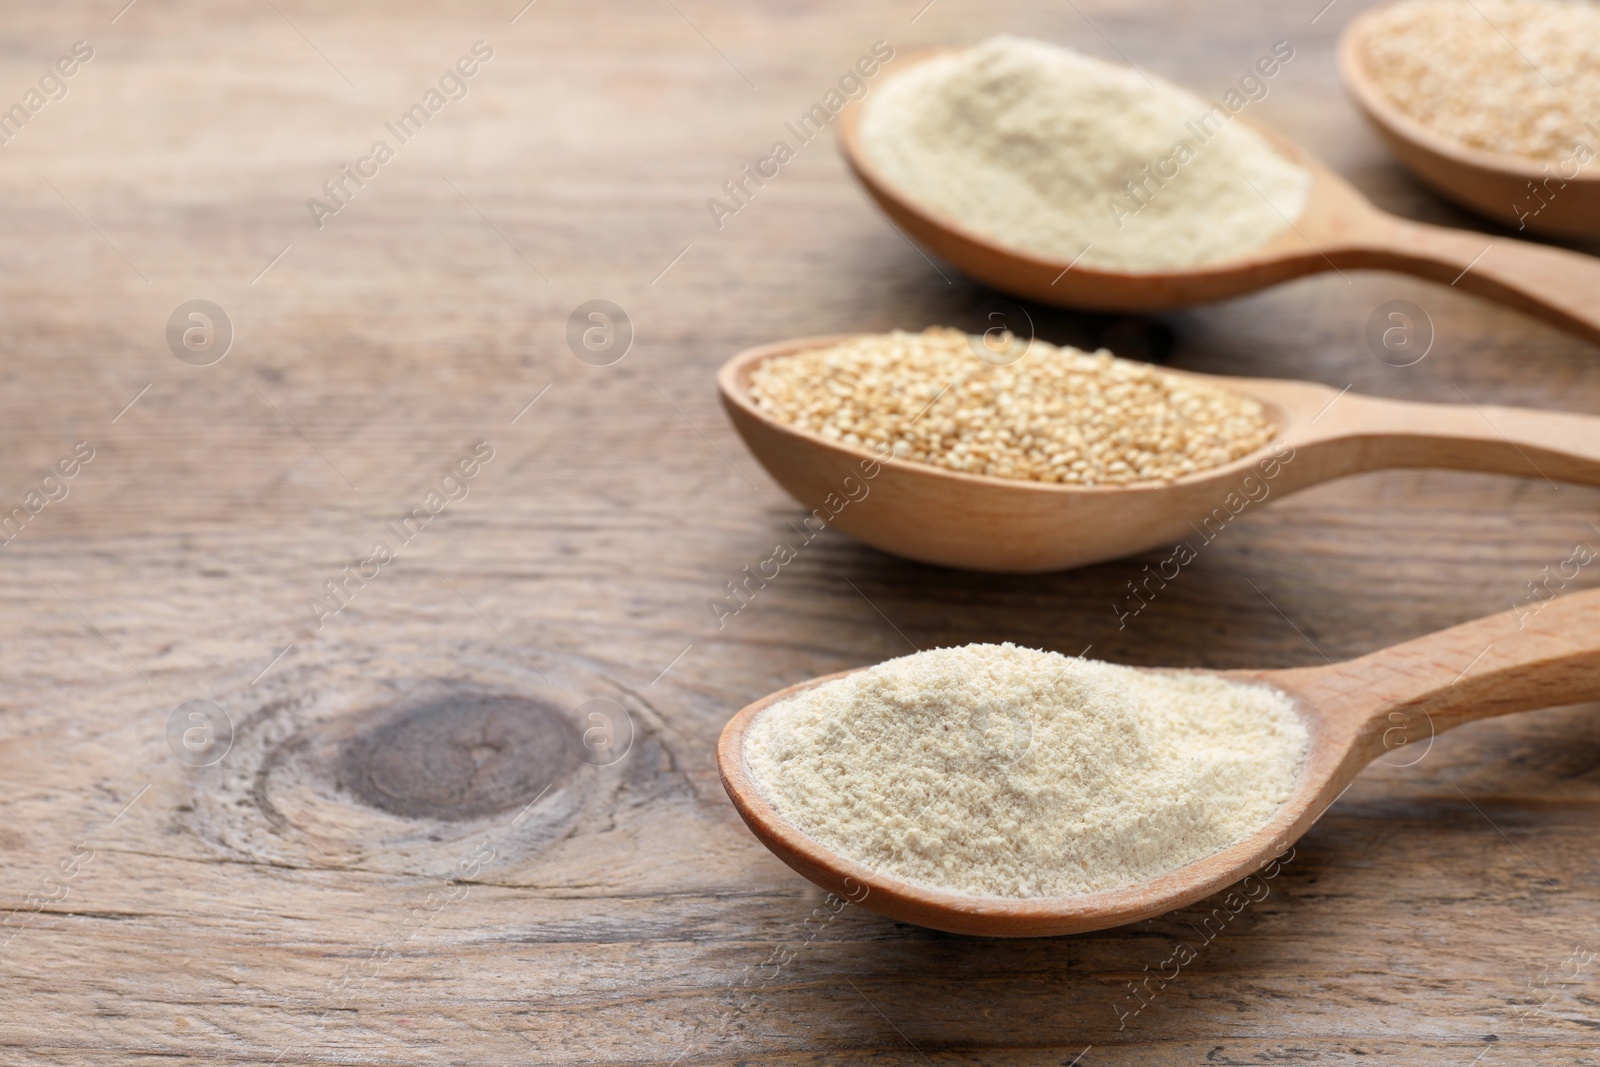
(291, 903)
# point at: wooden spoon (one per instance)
(1556, 197)
(1339, 229)
(1354, 712)
(976, 522)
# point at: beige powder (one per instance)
(1030, 145)
(1515, 77)
(998, 771)
(1054, 415)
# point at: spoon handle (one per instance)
(1554, 284)
(1544, 652)
(1361, 433)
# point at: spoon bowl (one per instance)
(951, 518)
(1338, 229)
(1354, 712)
(1514, 191)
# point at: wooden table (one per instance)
(400, 859)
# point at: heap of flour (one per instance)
(998, 771)
(1061, 156)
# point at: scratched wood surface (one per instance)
(404, 856)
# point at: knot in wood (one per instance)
(458, 757)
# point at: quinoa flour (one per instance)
(999, 771)
(1035, 147)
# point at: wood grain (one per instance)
(259, 911)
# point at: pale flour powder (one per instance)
(1069, 158)
(999, 771)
